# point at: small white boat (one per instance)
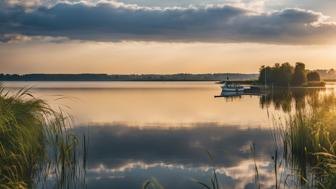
(231, 87)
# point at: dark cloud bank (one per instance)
(116, 21)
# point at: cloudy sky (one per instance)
(156, 36)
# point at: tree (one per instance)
(286, 73)
(278, 75)
(299, 76)
(265, 75)
(331, 71)
(313, 76)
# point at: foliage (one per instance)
(313, 76)
(36, 147)
(279, 75)
(284, 75)
(299, 75)
(309, 141)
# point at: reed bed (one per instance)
(309, 142)
(36, 148)
(304, 151)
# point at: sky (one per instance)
(156, 36)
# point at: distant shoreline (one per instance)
(131, 77)
(111, 81)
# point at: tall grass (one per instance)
(309, 142)
(152, 183)
(36, 148)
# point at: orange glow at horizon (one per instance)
(155, 57)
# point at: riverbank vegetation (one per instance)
(305, 151)
(309, 142)
(36, 148)
(285, 75)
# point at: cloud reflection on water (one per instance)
(123, 157)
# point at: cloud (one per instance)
(14, 38)
(115, 21)
(120, 156)
(168, 177)
(182, 146)
(18, 38)
(26, 3)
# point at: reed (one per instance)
(152, 183)
(309, 142)
(36, 148)
(213, 183)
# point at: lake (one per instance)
(165, 130)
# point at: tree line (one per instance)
(287, 75)
(128, 77)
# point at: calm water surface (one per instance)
(139, 130)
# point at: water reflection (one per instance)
(124, 156)
(163, 129)
(280, 99)
(286, 99)
(170, 104)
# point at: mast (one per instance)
(265, 77)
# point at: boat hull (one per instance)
(225, 89)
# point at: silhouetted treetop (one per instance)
(286, 75)
(313, 76)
